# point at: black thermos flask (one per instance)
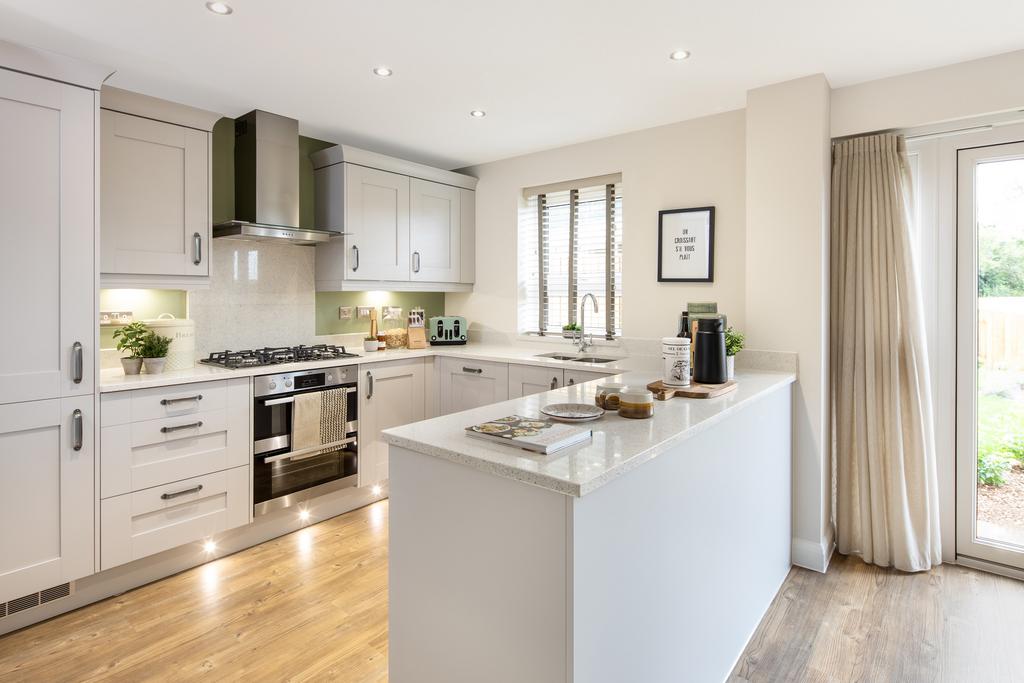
(710, 362)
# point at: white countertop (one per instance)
(114, 379)
(619, 444)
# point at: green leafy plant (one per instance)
(733, 342)
(992, 467)
(155, 346)
(572, 327)
(369, 338)
(131, 337)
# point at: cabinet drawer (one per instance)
(142, 523)
(173, 401)
(140, 455)
(580, 376)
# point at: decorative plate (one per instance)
(573, 412)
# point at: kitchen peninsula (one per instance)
(650, 553)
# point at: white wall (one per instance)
(982, 86)
(693, 163)
(788, 170)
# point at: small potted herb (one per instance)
(571, 331)
(129, 339)
(154, 352)
(733, 345)
(370, 343)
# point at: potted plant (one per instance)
(571, 330)
(370, 343)
(154, 352)
(129, 339)
(733, 345)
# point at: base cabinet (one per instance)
(524, 380)
(391, 394)
(466, 384)
(146, 522)
(580, 376)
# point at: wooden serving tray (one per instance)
(662, 391)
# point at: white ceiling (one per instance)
(548, 73)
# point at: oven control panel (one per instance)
(303, 380)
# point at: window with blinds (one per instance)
(570, 245)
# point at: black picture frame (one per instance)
(710, 210)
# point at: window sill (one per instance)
(562, 341)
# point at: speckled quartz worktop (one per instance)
(115, 380)
(618, 445)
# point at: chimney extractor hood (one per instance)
(267, 182)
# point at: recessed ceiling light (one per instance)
(219, 7)
(478, 113)
(382, 71)
(678, 55)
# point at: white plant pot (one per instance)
(154, 366)
(131, 366)
(369, 345)
(730, 367)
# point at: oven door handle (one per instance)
(278, 401)
(308, 451)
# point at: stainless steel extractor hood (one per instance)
(267, 182)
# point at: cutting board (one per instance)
(662, 391)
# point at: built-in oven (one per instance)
(284, 476)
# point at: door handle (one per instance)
(554, 382)
(77, 429)
(172, 401)
(197, 246)
(77, 362)
(415, 261)
(195, 489)
(355, 251)
(369, 384)
(168, 430)
(478, 371)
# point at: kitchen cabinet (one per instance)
(406, 226)
(466, 384)
(155, 187)
(435, 231)
(48, 231)
(524, 380)
(47, 465)
(391, 393)
(580, 376)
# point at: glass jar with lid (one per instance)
(636, 402)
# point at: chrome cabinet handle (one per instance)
(195, 489)
(197, 245)
(369, 384)
(572, 381)
(478, 371)
(168, 430)
(77, 429)
(77, 365)
(415, 261)
(355, 251)
(172, 401)
(554, 382)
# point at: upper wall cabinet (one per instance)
(156, 205)
(406, 227)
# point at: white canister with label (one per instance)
(675, 354)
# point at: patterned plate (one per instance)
(573, 412)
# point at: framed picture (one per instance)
(686, 245)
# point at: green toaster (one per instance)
(445, 330)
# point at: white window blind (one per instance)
(570, 244)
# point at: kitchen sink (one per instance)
(578, 359)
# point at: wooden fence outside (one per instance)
(1001, 332)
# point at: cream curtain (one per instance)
(884, 453)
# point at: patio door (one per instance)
(990, 354)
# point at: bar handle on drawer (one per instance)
(554, 382)
(78, 364)
(175, 428)
(172, 401)
(76, 429)
(195, 489)
(478, 371)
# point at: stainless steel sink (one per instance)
(578, 359)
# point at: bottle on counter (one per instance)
(710, 364)
(675, 356)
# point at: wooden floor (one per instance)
(313, 606)
(862, 623)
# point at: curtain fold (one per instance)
(883, 438)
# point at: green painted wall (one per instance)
(327, 304)
(144, 305)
